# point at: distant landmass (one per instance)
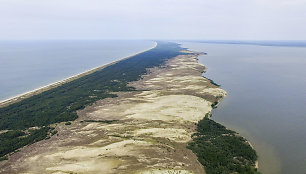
(292, 43)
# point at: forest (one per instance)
(221, 150)
(61, 103)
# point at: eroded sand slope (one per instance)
(153, 125)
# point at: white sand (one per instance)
(171, 108)
(165, 171)
(214, 91)
(177, 135)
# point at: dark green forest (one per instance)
(61, 103)
(222, 151)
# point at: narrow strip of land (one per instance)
(155, 123)
(30, 120)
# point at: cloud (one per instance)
(152, 19)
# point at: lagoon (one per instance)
(266, 101)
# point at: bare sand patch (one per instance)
(165, 171)
(170, 108)
(121, 148)
(177, 135)
(88, 166)
(215, 91)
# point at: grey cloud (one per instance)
(153, 19)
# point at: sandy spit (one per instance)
(154, 125)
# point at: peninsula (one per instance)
(146, 114)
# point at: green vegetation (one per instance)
(214, 105)
(61, 103)
(68, 123)
(221, 150)
(214, 83)
(3, 158)
(53, 132)
(15, 139)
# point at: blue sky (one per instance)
(153, 19)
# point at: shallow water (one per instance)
(27, 65)
(266, 100)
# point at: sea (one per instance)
(266, 98)
(27, 65)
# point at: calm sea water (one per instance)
(27, 65)
(266, 100)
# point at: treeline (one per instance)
(61, 103)
(221, 150)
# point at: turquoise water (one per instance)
(27, 65)
(266, 101)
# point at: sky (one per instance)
(153, 19)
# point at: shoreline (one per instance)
(20, 97)
(256, 162)
(147, 125)
(219, 101)
(247, 141)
